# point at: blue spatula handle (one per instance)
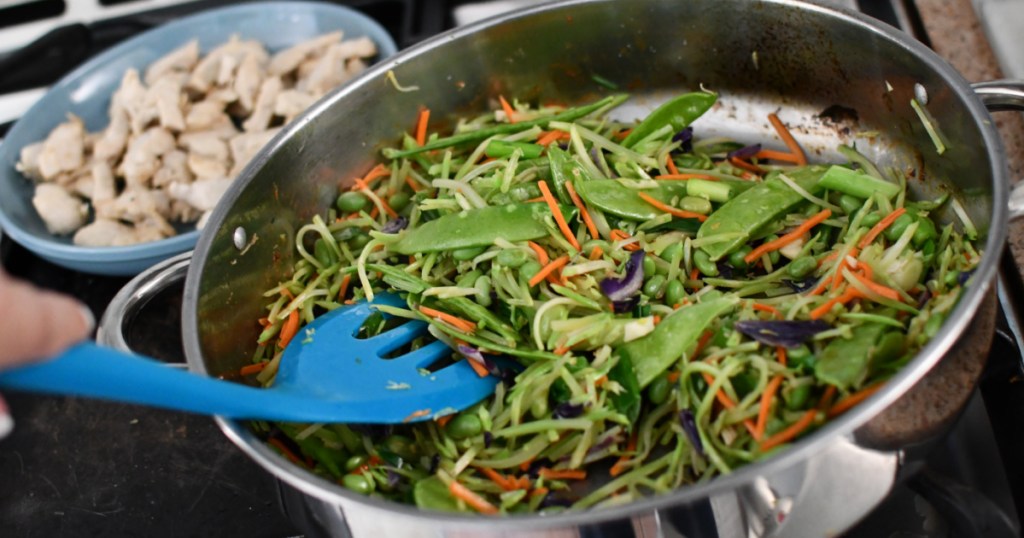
(91, 370)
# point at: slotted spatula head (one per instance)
(326, 360)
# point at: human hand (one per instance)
(37, 324)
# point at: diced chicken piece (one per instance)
(205, 114)
(153, 228)
(63, 150)
(131, 96)
(167, 98)
(205, 167)
(226, 71)
(224, 95)
(289, 59)
(174, 169)
(360, 47)
(105, 233)
(291, 103)
(114, 138)
(206, 70)
(202, 194)
(141, 160)
(181, 59)
(263, 111)
(104, 186)
(328, 73)
(183, 212)
(245, 146)
(133, 205)
(61, 211)
(247, 82)
(28, 161)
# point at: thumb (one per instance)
(38, 323)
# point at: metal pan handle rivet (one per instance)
(240, 238)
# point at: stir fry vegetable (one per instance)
(677, 307)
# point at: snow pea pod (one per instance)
(479, 135)
(847, 362)
(615, 198)
(740, 218)
(499, 149)
(565, 169)
(679, 112)
(479, 228)
(675, 335)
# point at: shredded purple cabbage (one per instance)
(619, 290)
(488, 439)
(395, 225)
(551, 501)
(964, 276)
(567, 410)
(473, 354)
(685, 138)
(690, 428)
(800, 286)
(393, 479)
(745, 152)
(777, 332)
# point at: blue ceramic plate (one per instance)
(86, 93)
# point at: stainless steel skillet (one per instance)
(795, 58)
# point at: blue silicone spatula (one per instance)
(326, 375)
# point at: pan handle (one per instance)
(998, 96)
(135, 295)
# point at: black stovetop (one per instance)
(76, 467)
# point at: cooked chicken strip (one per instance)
(287, 60)
(114, 138)
(167, 98)
(62, 212)
(173, 169)
(264, 109)
(328, 73)
(291, 103)
(182, 58)
(141, 160)
(202, 194)
(28, 161)
(104, 186)
(105, 233)
(247, 82)
(63, 150)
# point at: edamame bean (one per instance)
(355, 462)
(797, 398)
(850, 204)
(898, 226)
(802, 266)
(673, 251)
(925, 231)
(529, 269)
(463, 426)
(800, 357)
(702, 261)
(512, 257)
(871, 219)
(736, 259)
(357, 483)
(657, 391)
(468, 280)
(653, 285)
(400, 445)
(323, 253)
(352, 202)
(360, 239)
(399, 201)
(952, 279)
(649, 267)
(483, 293)
(468, 253)
(675, 292)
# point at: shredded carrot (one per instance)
(766, 404)
(557, 213)
(475, 501)
(565, 474)
(670, 165)
(837, 276)
(787, 137)
(673, 376)
(416, 187)
(681, 213)
(560, 350)
(768, 308)
(509, 112)
(694, 274)
(780, 354)
(600, 381)
(847, 296)
(550, 137)
(421, 126)
(727, 403)
(788, 238)
(374, 212)
(619, 235)
(676, 176)
(657, 320)
(376, 172)
(343, 289)
(443, 421)
(591, 227)
(463, 325)
(852, 400)
(289, 329)
(264, 322)
(478, 368)
(596, 253)
(881, 226)
(777, 156)
(740, 163)
(501, 480)
(702, 342)
(525, 466)
(415, 415)
(542, 255)
(622, 134)
(538, 492)
(253, 368)
(884, 291)
(791, 432)
(620, 464)
(278, 444)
